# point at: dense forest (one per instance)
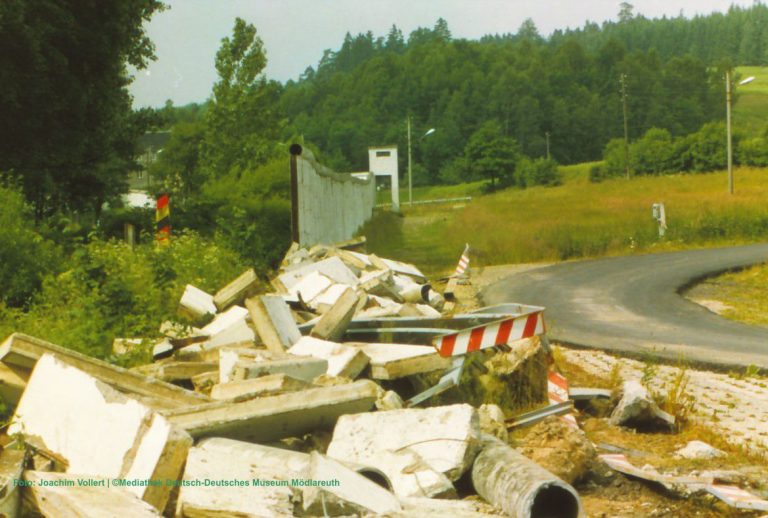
(568, 88)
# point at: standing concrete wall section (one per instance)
(327, 207)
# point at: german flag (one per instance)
(163, 219)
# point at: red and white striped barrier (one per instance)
(463, 262)
(557, 392)
(494, 334)
(737, 497)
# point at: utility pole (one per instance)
(410, 172)
(623, 81)
(728, 102)
(547, 135)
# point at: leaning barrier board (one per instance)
(494, 334)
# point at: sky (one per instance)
(296, 32)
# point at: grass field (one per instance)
(578, 219)
(750, 109)
(744, 294)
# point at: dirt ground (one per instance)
(729, 412)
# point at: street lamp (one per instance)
(410, 170)
(728, 103)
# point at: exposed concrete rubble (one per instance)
(636, 408)
(62, 495)
(125, 439)
(302, 402)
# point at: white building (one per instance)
(382, 161)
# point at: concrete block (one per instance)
(107, 434)
(329, 297)
(428, 311)
(195, 304)
(275, 417)
(310, 286)
(268, 385)
(80, 496)
(228, 327)
(244, 286)
(342, 491)
(636, 408)
(343, 360)
(392, 361)
(447, 438)
(273, 321)
(332, 268)
(304, 368)
(268, 470)
(20, 352)
(176, 371)
(11, 467)
(229, 357)
(333, 324)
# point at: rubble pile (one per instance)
(302, 401)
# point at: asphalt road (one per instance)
(632, 304)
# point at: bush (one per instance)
(537, 171)
(753, 152)
(26, 257)
(654, 153)
(110, 290)
(613, 157)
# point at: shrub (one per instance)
(25, 255)
(537, 171)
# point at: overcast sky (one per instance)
(295, 32)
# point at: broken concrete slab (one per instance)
(11, 466)
(446, 438)
(274, 417)
(195, 304)
(176, 371)
(335, 321)
(343, 360)
(390, 400)
(325, 301)
(310, 286)
(80, 496)
(273, 321)
(107, 434)
(267, 472)
(229, 327)
(492, 421)
(305, 368)
(379, 283)
(392, 361)
(244, 286)
(637, 409)
(268, 385)
(332, 268)
(336, 490)
(20, 352)
(699, 450)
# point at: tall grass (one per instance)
(579, 219)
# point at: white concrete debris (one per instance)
(195, 303)
(268, 471)
(346, 493)
(332, 268)
(699, 450)
(343, 360)
(228, 327)
(310, 286)
(445, 438)
(636, 408)
(98, 430)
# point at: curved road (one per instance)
(632, 304)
